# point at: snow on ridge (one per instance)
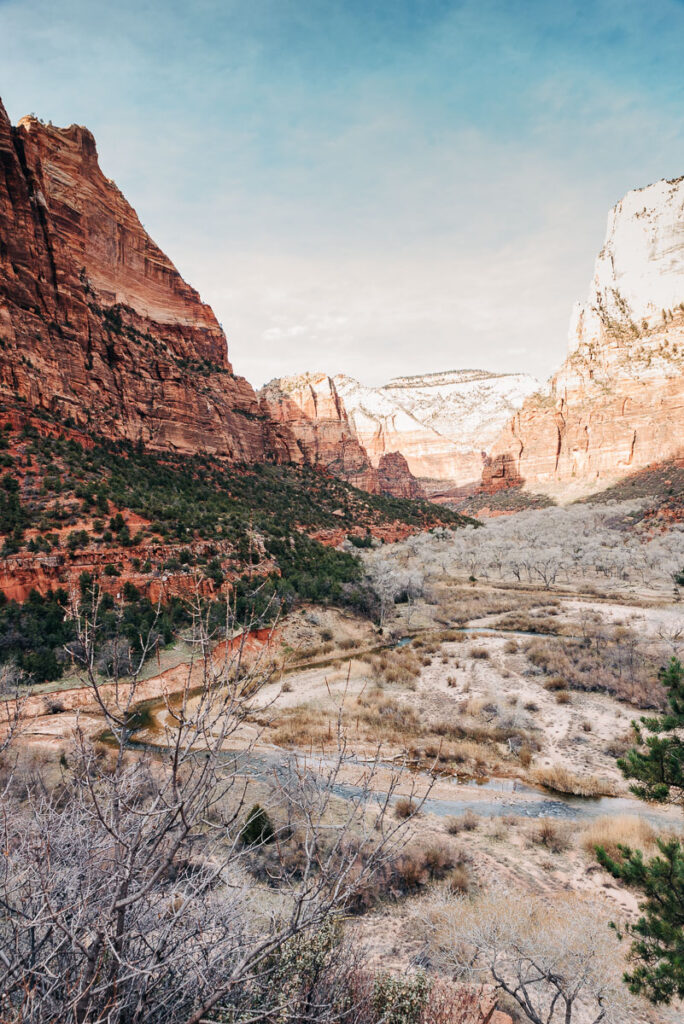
(467, 407)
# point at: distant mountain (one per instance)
(443, 423)
(310, 408)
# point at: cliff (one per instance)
(443, 423)
(97, 327)
(617, 403)
(309, 408)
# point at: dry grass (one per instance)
(468, 822)
(462, 604)
(563, 697)
(398, 667)
(372, 717)
(480, 653)
(611, 833)
(562, 780)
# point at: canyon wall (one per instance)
(97, 327)
(443, 423)
(617, 403)
(309, 408)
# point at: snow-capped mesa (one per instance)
(468, 406)
(443, 423)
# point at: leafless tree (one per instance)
(127, 887)
(559, 961)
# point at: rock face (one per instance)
(309, 409)
(96, 324)
(443, 423)
(396, 478)
(617, 403)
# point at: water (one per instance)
(511, 797)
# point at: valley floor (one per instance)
(460, 695)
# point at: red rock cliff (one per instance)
(617, 403)
(309, 409)
(96, 323)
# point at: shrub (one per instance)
(467, 822)
(400, 1000)
(551, 834)
(405, 807)
(258, 828)
(479, 652)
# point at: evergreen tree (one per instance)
(657, 768)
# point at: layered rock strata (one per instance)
(617, 403)
(443, 423)
(97, 327)
(309, 408)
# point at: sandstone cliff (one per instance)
(309, 408)
(617, 403)
(97, 326)
(443, 423)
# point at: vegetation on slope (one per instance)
(172, 527)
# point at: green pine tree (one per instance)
(657, 768)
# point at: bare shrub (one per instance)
(555, 685)
(467, 822)
(525, 756)
(559, 961)
(404, 807)
(480, 653)
(554, 835)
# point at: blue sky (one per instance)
(376, 187)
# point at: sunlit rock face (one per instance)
(309, 408)
(617, 403)
(443, 423)
(96, 323)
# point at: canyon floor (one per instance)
(457, 696)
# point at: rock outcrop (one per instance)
(97, 327)
(443, 423)
(617, 403)
(308, 407)
(395, 477)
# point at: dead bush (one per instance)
(555, 685)
(405, 807)
(553, 835)
(467, 822)
(480, 653)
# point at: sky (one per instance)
(373, 187)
